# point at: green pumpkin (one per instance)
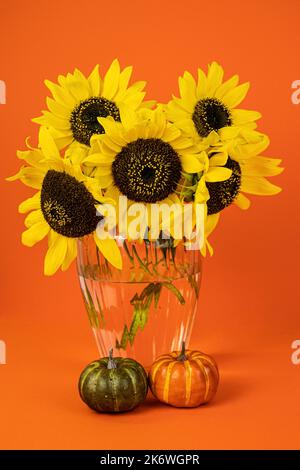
(113, 385)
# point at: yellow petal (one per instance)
(104, 181)
(261, 166)
(111, 80)
(188, 77)
(213, 138)
(252, 136)
(250, 149)
(110, 251)
(202, 193)
(32, 157)
(35, 233)
(191, 164)
(227, 86)
(94, 81)
(259, 186)
(60, 94)
(186, 125)
(98, 159)
(131, 99)
(57, 108)
(229, 132)
(242, 201)
(217, 174)
(124, 79)
(113, 193)
(112, 129)
(214, 78)
(137, 86)
(202, 84)
(218, 159)
(211, 223)
(149, 104)
(243, 116)
(183, 144)
(175, 112)
(34, 217)
(78, 75)
(71, 253)
(171, 133)
(51, 120)
(62, 138)
(56, 254)
(47, 144)
(32, 177)
(79, 89)
(210, 248)
(187, 88)
(235, 96)
(30, 204)
(111, 144)
(128, 117)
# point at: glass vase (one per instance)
(146, 309)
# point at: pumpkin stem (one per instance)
(182, 356)
(111, 362)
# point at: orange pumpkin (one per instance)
(184, 379)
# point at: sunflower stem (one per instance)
(127, 252)
(143, 265)
(182, 356)
(111, 364)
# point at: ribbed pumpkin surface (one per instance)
(113, 390)
(184, 383)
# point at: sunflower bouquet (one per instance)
(99, 141)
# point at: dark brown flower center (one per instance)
(210, 114)
(223, 193)
(68, 207)
(147, 170)
(84, 118)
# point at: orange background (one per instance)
(249, 307)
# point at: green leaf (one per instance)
(135, 299)
(128, 252)
(145, 311)
(141, 308)
(175, 291)
(124, 339)
(100, 310)
(173, 253)
(157, 294)
(92, 312)
(194, 284)
(147, 291)
(143, 265)
(136, 323)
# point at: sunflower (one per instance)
(64, 208)
(214, 157)
(249, 172)
(210, 104)
(78, 102)
(195, 187)
(249, 175)
(143, 157)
